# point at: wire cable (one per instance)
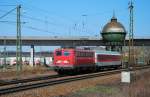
(39, 20)
(7, 13)
(32, 28)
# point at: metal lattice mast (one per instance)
(18, 42)
(4, 53)
(131, 35)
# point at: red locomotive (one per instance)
(79, 60)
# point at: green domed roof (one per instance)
(113, 26)
(113, 31)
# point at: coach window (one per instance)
(66, 53)
(58, 53)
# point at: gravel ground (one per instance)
(65, 89)
(138, 88)
(104, 86)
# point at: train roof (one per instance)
(96, 51)
(76, 49)
(107, 52)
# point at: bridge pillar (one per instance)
(32, 63)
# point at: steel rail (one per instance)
(16, 81)
(23, 87)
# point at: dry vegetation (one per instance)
(27, 71)
(64, 89)
(140, 87)
(105, 86)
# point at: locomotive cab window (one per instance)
(66, 53)
(58, 53)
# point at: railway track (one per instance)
(19, 81)
(55, 81)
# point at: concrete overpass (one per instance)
(63, 41)
(66, 41)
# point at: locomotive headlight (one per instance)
(59, 61)
(66, 61)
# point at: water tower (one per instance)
(113, 35)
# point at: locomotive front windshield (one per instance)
(58, 53)
(66, 53)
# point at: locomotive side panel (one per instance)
(85, 58)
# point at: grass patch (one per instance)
(99, 89)
(50, 68)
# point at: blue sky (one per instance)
(72, 17)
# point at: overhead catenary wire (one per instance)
(38, 29)
(48, 22)
(43, 21)
(32, 7)
(82, 26)
(7, 13)
(31, 27)
(11, 22)
(38, 20)
(52, 23)
(8, 5)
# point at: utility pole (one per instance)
(143, 54)
(4, 53)
(131, 36)
(84, 23)
(18, 42)
(127, 74)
